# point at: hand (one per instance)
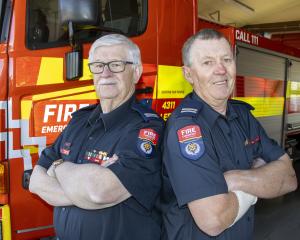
(258, 162)
(109, 161)
(232, 180)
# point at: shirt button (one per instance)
(63, 209)
(90, 138)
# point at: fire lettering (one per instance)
(61, 112)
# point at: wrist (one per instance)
(245, 201)
(56, 163)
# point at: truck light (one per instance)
(3, 183)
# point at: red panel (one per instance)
(289, 39)
(28, 70)
(177, 22)
(27, 211)
(166, 106)
(258, 87)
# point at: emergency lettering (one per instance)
(53, 129)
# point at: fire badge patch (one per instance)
(191, 142)
(147, 140)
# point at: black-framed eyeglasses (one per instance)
(113, 66)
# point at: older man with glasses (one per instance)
(102, 174)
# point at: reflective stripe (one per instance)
(26, 139)
(6, 226)
(87, 92)
(265, 106)
(171, 83)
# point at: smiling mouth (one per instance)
(221, 82)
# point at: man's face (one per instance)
(115, 86)
(213, 70)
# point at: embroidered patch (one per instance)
(65, 149)
(146, 147)
(191, 142)
(147, 140)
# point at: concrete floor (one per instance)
(279, 219)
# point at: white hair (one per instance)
(133, 50)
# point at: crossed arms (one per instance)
(88, 186)
(216, 213)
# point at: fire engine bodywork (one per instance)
(36, 100)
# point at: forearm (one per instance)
(215, 214)
(268, 181)
(48, 188)
(87, 185)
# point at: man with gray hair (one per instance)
(102, 174)
(213, 148)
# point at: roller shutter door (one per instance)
(293, 96)
(263, 77)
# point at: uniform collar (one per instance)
(210, 115)
(112, 118)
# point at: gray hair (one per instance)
(133, 50)
(204, 34)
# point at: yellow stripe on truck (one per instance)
(264, 106)
(80, 93)
(6, 226)
(171, 83)
(51, 71)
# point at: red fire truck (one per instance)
(44, 77)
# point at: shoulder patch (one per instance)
(146, 113)
(85, 109)
(238, 102)
(147, 141)
(191, 142)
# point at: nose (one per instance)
(220, 68)
(106, 72)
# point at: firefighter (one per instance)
(102, 174)
(217, 159)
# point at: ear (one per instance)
(138, 69)
(187, 73)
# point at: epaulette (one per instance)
(146, 113)
(85, 109)
(234, 101)
(189, 108)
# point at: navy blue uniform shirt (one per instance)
(133, 133)
(199, 146)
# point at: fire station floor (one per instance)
(279, 218)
